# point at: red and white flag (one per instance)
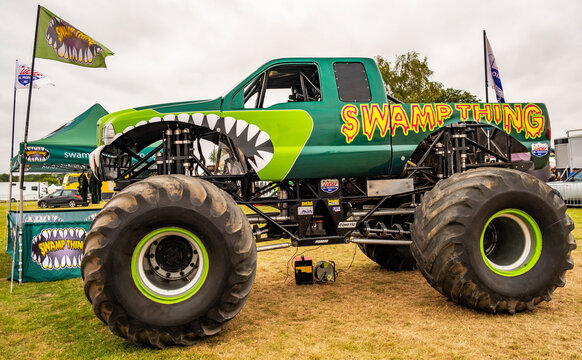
(22, 79)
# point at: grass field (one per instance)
(369, 313)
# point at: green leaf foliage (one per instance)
(408, 79)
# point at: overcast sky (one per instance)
(172, 50)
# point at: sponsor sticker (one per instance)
(540, 149)
(337, 209)
(329, 185)
(305, 210)
(323, 241)
(307, 203)
(332, 202)
(347, 225)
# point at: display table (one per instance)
(52, 243)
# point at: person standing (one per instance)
(83, 186)
(95, 189)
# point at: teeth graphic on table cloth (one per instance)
(61, 248)
(42, 218)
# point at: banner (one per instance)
(22, 78)
(58, 40)
(52, 243)
(493, 73)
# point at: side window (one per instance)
(352, 82)
(283, 84)
(35, 188)
(577, 177)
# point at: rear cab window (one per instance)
(352, 82)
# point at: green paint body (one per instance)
(308, 139)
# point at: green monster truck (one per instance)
(320, 155)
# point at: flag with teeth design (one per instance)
(59, 40)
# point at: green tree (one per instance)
(56, 179)
(408, 80)
(213, 156)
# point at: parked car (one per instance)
(570, 189)
(66, 197)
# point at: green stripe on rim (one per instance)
(511, 242)
(169, 265)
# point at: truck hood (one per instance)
(120, 119)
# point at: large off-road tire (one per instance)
(493, 239)
(391, 257)
(169, 260)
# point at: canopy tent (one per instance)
(67, 148)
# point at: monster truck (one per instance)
(317, 153)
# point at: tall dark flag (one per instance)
(61, 41)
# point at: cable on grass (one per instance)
(349, 266)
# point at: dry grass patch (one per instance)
(369, 313)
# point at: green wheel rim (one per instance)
(511, 242)
(169, 265)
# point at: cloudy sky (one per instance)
(173, 50)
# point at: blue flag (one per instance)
(493, 73)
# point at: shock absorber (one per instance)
(178, 160)
(187, 163)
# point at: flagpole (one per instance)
(10, 187)
(12, 149)
(23, 155)
(485, 64)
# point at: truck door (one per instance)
(272, 115)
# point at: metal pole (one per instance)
(10, 191)
(11, 151)
(23, 159)
(485, 63)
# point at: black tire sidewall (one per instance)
(548, 266)
(134, 228)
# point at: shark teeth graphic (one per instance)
(42, 219)
(71, 44)
(36, 154)
(55, 249)
(255, 143)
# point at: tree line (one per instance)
(56, 179)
